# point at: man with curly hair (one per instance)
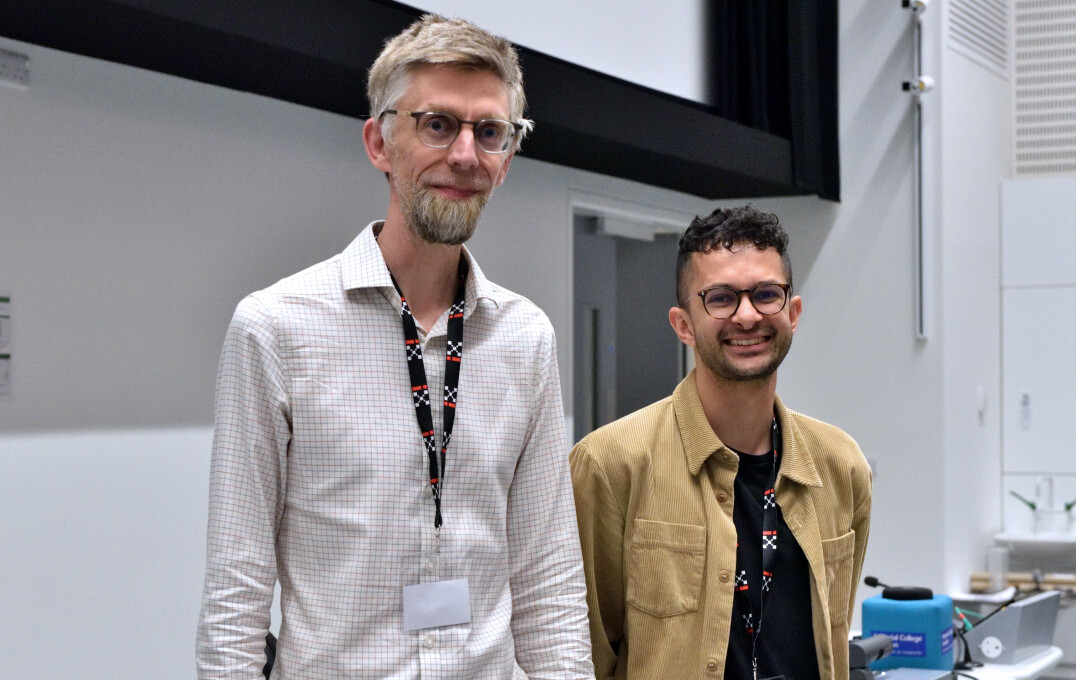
(723, 534)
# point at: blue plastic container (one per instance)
(922, 631)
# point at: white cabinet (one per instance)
(1038, 232)
(1038, 344)
(1039, 379)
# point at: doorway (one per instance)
(624, 352)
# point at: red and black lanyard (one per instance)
(769, 554)
(420, 390)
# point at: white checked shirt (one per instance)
(319, 479)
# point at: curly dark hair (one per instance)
(725, 228)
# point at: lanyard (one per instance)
(420, 390)
(769, 552)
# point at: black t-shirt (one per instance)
(785, 640)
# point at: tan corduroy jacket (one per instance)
(654, 498)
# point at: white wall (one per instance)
(102, 537)
(975, 142)
(137, 209)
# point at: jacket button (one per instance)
(723, 576)
(722, 497)
(711, 665)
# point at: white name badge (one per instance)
(441, 603)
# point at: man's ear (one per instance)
(682, 326)
(376, 147)
(795, 306)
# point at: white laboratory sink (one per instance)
(1039, 544)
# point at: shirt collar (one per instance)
(363, 266)
(697, 436)
(700, 442)
(797, 463)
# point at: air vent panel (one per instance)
(979, 29)
(1044, 87)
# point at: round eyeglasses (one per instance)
(721, 302)
(439, 130)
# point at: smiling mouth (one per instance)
(746, 342)
(455, 192)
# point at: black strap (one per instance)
(769, 552)
(420, 390)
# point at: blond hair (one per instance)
(433, 39)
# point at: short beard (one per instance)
(714, 359)
(435, 219)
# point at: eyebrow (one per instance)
(730, 286)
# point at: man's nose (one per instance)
(746, 315)
(463, 152)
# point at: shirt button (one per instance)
(723, 576)
(722, 497)
(428, 642)
(711, 665)
(430, 565)
(429, 491)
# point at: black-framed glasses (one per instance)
(439, 130)
(721, 302)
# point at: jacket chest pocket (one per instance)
(665, 565)
(839, 556)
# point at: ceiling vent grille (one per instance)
(1044, 91)
(979, 29)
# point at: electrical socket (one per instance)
(14, 69)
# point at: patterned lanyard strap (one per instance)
(420, 390)
(769, 551)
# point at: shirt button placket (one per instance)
(428, 657)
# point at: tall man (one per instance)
(416, 531)
(693, 571)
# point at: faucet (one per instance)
(1049, 494)
(1043, 510)
(1047, 516)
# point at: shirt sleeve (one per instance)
(601, 534)
(247, 478)
(549, 612)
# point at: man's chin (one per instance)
(443, 237)
(442, 221)
(751, 376)
(740, 370)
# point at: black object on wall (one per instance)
(316, 53)
(772, 66)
